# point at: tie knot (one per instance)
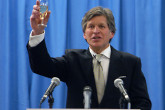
(98, 56)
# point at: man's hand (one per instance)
(35, 19)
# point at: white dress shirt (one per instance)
(35, 40)
(105, 60)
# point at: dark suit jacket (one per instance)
(75, 69)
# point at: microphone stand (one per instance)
(51, 100)
(124, 103)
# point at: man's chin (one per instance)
(95, 46)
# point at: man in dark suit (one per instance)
(76, 68)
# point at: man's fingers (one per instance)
(47, 16)
(33, 17)
(36, 13)
(36, 7)
(38, 2)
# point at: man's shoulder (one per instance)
(123, 54)
(75, 50)
(81, 52)
(128, 55)
(77, 54)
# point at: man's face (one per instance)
(97, 33)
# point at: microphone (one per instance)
(54, 82)
(87, 96)
(119, 84)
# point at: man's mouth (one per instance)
(96, 37)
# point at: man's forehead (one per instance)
(97, 20)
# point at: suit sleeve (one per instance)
(42, 64)
(139, 93)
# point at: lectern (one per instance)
(81, 109)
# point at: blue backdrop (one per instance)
(140, 31)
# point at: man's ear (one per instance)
(84, 36)
(111, 35)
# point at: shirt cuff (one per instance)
(35, 40)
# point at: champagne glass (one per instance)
(43, 10)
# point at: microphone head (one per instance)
(87, 88)
(55, 80)
(117, 82)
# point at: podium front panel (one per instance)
(82, 109)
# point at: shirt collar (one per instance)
(106, 52)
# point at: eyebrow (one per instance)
(102, 23)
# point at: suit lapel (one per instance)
(89, 76)
(115, 70)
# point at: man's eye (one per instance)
(102, 26)
(91, 26)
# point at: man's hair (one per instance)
(99, 11)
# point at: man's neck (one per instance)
(99, 50)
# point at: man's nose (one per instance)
(96, 30)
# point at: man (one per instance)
(79, 67)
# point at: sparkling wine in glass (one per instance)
(43, 10)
